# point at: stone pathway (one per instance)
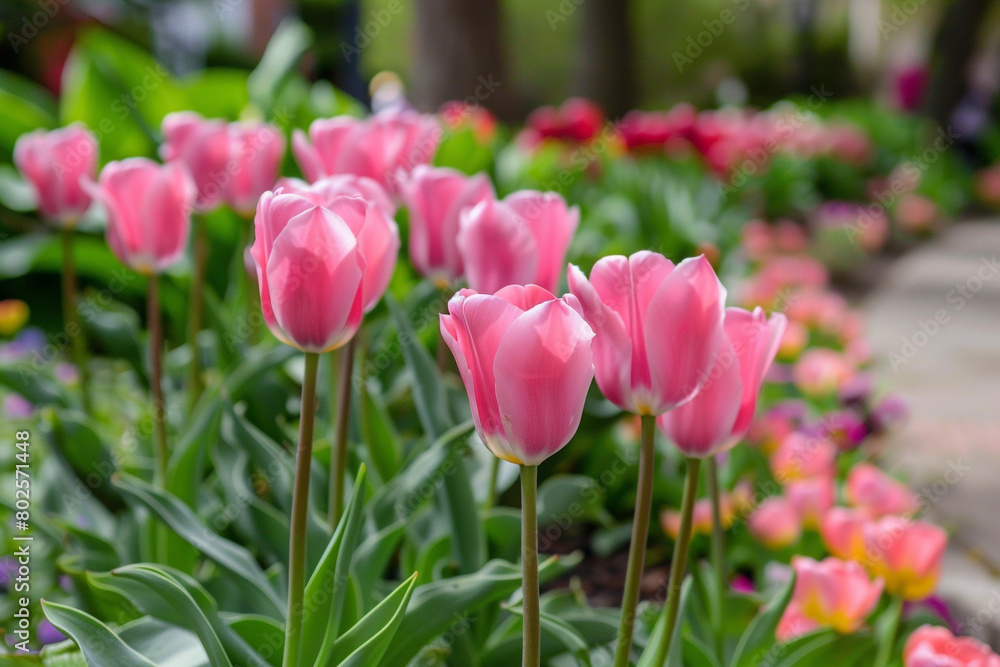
(934, 326)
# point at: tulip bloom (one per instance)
(801, 456)
(148, 207)
(720, 414)
(521, 240)
(812, 499)
(906, 553)
(256, 150)
(833, 593)
(933, 646)
(57, 163)
(657, 327)
(310, 268)
(385, 147)
(526, 362)
(435, 198)
(775, 523)
(821, 372)
(203, 146)
(376, 231)
(842, 530)
(701, 521)
(878, 494)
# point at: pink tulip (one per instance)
(657, 327)
(521, 240)
(203, 146)
(812, 499)
(720, 414)
(794, 624)
(385, 147)
(842, 530)
(148, 208)
(57, 163)
(701, 518)
(256, 150)
(436, 198)
(933, 646)
(377, 233)
(801, 456)
(878, 494)
(906, 553)
(775, 523)
(820, 372)
(310, 268)
(833, 593)
(526, 362)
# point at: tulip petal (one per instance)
(552, 224)
(496, 249)
(755, 340)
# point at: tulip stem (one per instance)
(718, 550)
(885, 649)
(249, 283)
(156, 378)
(678, 566)
(300, 514)
(640, 532)
(529, 566)
(71, 318)
(341, 362)
(200, 255)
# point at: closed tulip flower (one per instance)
(812, 499)
(203, 146)
(878, 494)
(834, 593)
(526, 362)
(657, 327)
(906, 553)
(520, 240)
(57, 163)
(148, 208)
(842, 530)
(801, 456)
(775, 523)
(376, 231)
(435, 198)
(310, 269)
(256, 150)
(385, 147)
(934, 646)
(722, 411)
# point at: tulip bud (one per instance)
(775, 523)
(906, 553)
(203, 146)
(877, 494)
(57, 163)
(934, 646)
(256, 150)
(832, 593)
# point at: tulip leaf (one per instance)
(264, 632)
(79, 447)
(229, 555)
(287, 47)
(181, 601)
(565, 633)
(760, 633)
(100, 645)
(31, 383)
(366, 642)
(468, 540)
(435, 607)
(673, 658)
(373, 556)
(381, 440)
(329, 580)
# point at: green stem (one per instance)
(200, 252)
(885, 649)
(679, 564)
(342, 399)
(529, 566)
(718, 550)
(71, 318)
(249, 283)
(640, 532)
(156, 379)
(300, 514)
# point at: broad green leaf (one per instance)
(373, 556)
(177, 597)
(33, 383)
(673, 658)
(99, 643)
(328, 581)
(83, 453)
(217, 92)
(565, 633)
(229, 555)
(760, 633)
(265, 633)
(25, 106)
(571, 499)
(367, 641)
(435, 606)
(287, 47)
(381, 440)
(468, 541)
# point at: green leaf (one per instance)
(217, 92)
(99, 643)
(380, 438)
(428, 391)
(570, 499)
(373, 556)
(264, 632)
(760, 633)
(287, 47)
(30, 382)
(174, 595)
(468, 541)
(436, 606)
(366, 642)
(565, 633)
(24, 106)
(321, 624)
(229, 555)
(648, 657)
(84, 455)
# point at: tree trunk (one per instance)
(460, 55)
(605, 70)
(954, 45)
